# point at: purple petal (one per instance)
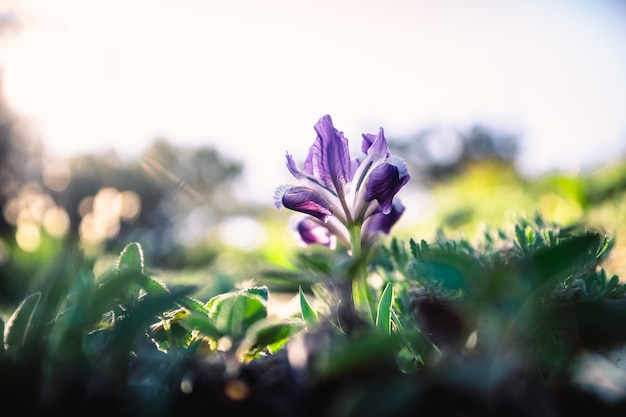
(368, 139)
(380, 222)
(306, 201)
(356, 162)
(311, 232)
(291, 165)
(385, 181)
(329, 157)
(375, 144)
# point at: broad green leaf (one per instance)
(270, 334)
(19, 324)
(202, 323)
(261, 292)
(561, 260)
(192, 304)
(112, 289)
(131, 259)
(152, 286)
(176, 336)
(438, 268)
(308, 314)
(233, 313)
(383, 314)
(136, 322)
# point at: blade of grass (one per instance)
(308, 314)
(383, 314)
(18, 326)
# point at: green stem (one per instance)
(360, 290)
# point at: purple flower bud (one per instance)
(310, 232)
(306, 201)
(385, 181)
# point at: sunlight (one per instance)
(57, 176)
(242, 232)
(131, 205)
(56, 222)
(247, 77)
(27, 236)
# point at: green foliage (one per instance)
(78, 327)
(520, 299)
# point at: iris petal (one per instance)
(291, 166)
(375, 144)
(306, 201)
(329, 157)
(385, 181)
(380, 222)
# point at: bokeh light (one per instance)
(242, 232)
(56, 222)
(131, 205)
(33, 211)
(28, 236)
(103, 213)
(57, 176)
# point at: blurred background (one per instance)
(167, 122)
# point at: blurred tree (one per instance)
(20, 165)
(20, 158)
(437, 154)
(182, 191)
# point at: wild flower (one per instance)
(350, 200)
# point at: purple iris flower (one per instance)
(338, 193)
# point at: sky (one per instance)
(252, 77)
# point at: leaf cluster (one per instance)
(488, 327)
(124, 339)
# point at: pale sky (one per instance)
(253, 76)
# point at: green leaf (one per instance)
(308, 314)
(234, 312)
(192, 304)
(383, 314)
(560, 261)
(131, 259)
(270, 334)
(357, 353)
(19, 324)
(449, 271)
(520, 237)
(261, 292)
(137, 321)
(420, 347)
(152, 286)
(170, 333)
(202, 323)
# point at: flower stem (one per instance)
(361, 295)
